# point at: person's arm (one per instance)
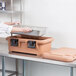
(19, 29)
(16, 29)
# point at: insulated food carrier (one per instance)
(33, 43)
(30, 44)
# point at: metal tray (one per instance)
(33, 33)
(36, 31)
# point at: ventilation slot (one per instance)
(25, 53)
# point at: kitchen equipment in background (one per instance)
(2, 5)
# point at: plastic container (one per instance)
(30, 45)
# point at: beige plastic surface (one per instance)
(43, 44)
(61, 54)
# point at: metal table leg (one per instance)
(71, 71)
(3, 66)
(24, 68)
(16, 67)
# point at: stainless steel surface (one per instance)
(10, 11)
(68, 64)
(21, 13)
(16, 67)
(24, 68)
(4, 52)
(2, 5)
(33, 33)
(8, 71)
(14, 73)
(71, 71)
(3, 66)
(42, 30)
(71, 65)
(37, 31)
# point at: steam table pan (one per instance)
(33, 33)
(36, 31)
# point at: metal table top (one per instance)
(36, 59)
(4, 52)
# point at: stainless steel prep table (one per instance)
(24, 58)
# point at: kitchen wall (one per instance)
(60, 18)
(58, 15)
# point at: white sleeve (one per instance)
(5, 28)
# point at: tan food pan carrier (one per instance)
(41, 47)
(30, 45)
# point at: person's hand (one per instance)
(27, 29)
(19, 29)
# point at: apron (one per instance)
(4, 32)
